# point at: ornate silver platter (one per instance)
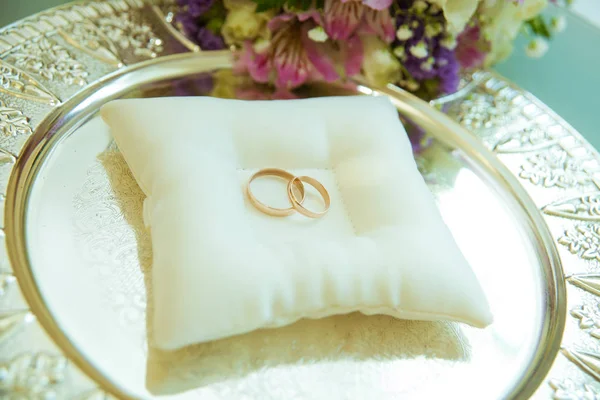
(518, 187)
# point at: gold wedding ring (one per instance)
(276, 212)
(297, 204)
(293, 182)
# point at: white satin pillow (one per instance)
(222, 268)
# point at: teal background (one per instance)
(567, 78)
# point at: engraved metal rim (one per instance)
(74, 112)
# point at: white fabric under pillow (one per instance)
(222, 268)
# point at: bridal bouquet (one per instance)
(420, 45)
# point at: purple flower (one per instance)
(193, 21)
(447, 70)
(196, 8)
(208, 40)
(188, 24)
(425, 52)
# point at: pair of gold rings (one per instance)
(294, 182)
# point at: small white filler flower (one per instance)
(537, 48)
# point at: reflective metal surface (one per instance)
(518, 192)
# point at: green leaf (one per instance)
(216, 11)
(539, 27)
(215, 25)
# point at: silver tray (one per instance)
(517, 186)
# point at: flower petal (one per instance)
(258, 65)
(381, 23)
(353, 54)
(289, 57)
(458, 12)
(279, 21)
(342, 18)
(378, 4)
(469, 51)
(310, 14)
(318, 55)
(380, 66)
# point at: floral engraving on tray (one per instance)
(527, 139)
(33, 376)
(89, 38)
(11, 320)
(589, 319)
(589, 282)
(50, 60)
(583, 240)
(589, 362)
(29, 59)
(6, 281)
(569, 390)
(583, 208)
(13, 122)
(20, 84)
(482, 111)
(127, 33)
(109, 221)
(554, 168)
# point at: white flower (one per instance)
(558, 24)
(261, 45)
(505, 19)
(432, 30)
(426, 66)
(419, 6)
(537, 48)
(448, 42)
(404, 32)
(400, 52)
(419, 50)
(457, 12)
(318, 34)
(379, 64)
(243, 22)
(530, 8)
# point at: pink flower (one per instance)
(381, 24)
(377, 4)
(471, 48)
(291, 58)
(343, 18)
(256, 64)
(352, 52)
